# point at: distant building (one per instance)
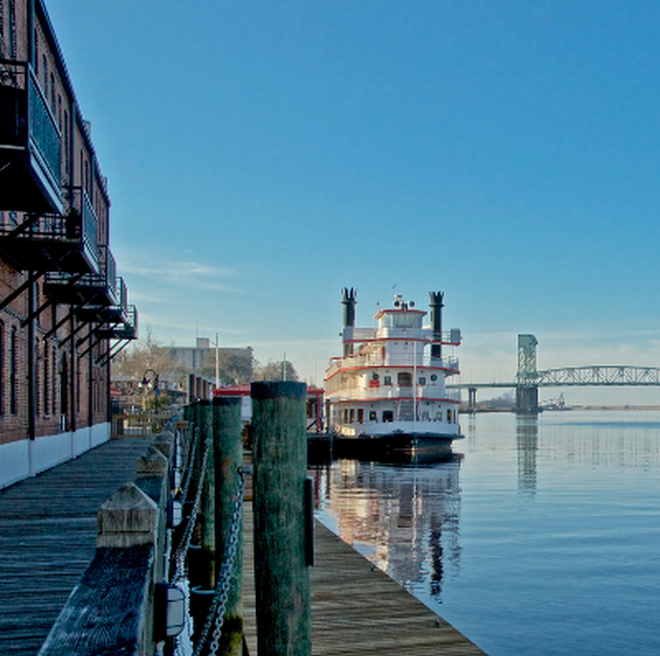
(202, 354)
(64, 313)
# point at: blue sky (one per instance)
(262, 155)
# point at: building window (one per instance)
(67, 161)
(12, 29)
(2, 362)
(44, 62)
(64, 386)
(46, 393)
(13, 373)
(37, 387)
(52, 92)
(53, 373)
(2, 25)
(77, 388)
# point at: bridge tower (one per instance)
(527, 391)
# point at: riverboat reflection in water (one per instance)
(543, 539)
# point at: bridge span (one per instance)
(529, 379)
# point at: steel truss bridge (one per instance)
(528, 379)
(598, 375)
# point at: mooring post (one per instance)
(280, 529)
(203, 571)
(227, 429)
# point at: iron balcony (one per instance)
(65, 242)
(30, 143)
(91, 290)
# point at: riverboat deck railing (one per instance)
(399, 360)
(450, 337)
(395, 393)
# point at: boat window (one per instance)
(438, 415)
(372, 416)
(449, 416)
(422, 380)
(404, 378)
(387, 380)
(375, 376)
(360, 415)
(345, 415)
(434, 377)
(352, 416)
(388, 415)
(403, 320)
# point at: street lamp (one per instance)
(149, 381)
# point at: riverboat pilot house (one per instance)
(64, 312)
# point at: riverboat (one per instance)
(387, 392)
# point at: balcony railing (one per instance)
(109, 272)
(122, 295)
(64, 242)
(28, 134)
(44, 134)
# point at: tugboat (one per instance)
(386, 394)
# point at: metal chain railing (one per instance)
(182, 550)
(216, 616)
(189, 464)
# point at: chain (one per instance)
(219, 604)
(188, 467)
(180, 555)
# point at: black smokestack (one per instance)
(349, 301)
(436, 321)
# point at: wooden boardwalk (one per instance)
(356, 608)
(47, 538)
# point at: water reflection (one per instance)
(527, 438)
(405, 519)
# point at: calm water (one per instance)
(543, 539)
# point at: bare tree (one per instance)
(277, 370)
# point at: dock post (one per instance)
(203, 572)
(227, 430)
(280, 530)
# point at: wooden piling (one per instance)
(203, 573)
(227, 429)
(281, 572)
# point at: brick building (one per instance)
(63, 310)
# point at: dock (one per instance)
(356, 608)
(48, 529)
(47, 538)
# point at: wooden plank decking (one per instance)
(356, 608)
(47, 538)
